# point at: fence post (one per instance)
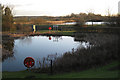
(51, 67)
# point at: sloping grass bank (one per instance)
(41, 32)
(107, 71)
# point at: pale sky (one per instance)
(60, 7)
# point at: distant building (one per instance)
(119, 7)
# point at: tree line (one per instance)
(7, 19)
(110, 20)
(81, 18)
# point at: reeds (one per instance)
(104, 51)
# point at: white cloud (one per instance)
(61, 7)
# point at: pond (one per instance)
(39, 47)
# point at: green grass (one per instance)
(43, 31)
(66, 33)
(100, 72)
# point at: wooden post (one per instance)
(57, 27)
(92, 23)
(51, 67)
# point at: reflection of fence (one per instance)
(56, 38)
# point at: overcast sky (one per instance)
(60, 7)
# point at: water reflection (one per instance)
(25, 40)
(85, 45)
(40, 47)
(50, 38)
(55, 38)
(7, 47)
(37, 47)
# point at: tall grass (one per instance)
(105, 50)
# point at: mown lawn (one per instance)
(107, 71)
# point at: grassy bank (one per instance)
(67, 31)
(52, 32)
(107, 71)
(41, 32)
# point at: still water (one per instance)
(38, 47)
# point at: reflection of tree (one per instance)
(26, 40)
(7, 47)
(83, 42)
(85, 45)
(6, 54)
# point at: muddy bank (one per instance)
(7, 46)
(5, 53)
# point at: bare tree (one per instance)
(90, 11)
(108, 12)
